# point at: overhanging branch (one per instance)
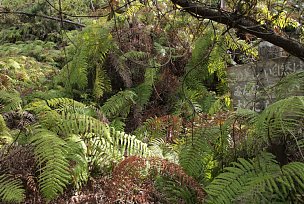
(244, 23)
(42, 16)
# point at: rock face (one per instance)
(268, 50)
(252, 84)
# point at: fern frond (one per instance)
(174, 192)
(281, 118)
(123, 70)
(118, 124)
(102, 143)
(258, 179)
(5, 136)
(196, 154)
(64, 102)
(51, 154)
(85, 68)
(198, 70)
(144, 90)
(75, 74)
(11, 190)
(293, 176)
(247, 115)
(236, 44)
(119, 104)
(135, 55)
(216, 61)
(77, 154)
(102, 83)
(291, 85)
(9, 101)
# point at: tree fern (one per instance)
(11, 190)
(197, 71)
(201, 47)
(216, 61)
(51, 154)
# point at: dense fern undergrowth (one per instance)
(133, 108)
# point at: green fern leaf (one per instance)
(145, 89)
(118, 104)
(11, 190)
(9, 101)
(51, 154)
(77, 154)
(256, 180)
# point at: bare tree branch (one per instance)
(244, 23)
(42, 16)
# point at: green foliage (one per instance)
(135, 55)
(71, 144)
(51, 155)
(196, 156)
(155, 70)
(77, 153)
(175, 192)
(87, 55)
(217, 60)
(24, 74)
(144, 90)
(257, 180)
(25, 27)
(5, 136)
(40, 50)
(191, 100)
(118, 124)
(197, 67)
(281, 119)
(9, 101)
(290, 85)
(119, 104)
(11, 190)
(240, 46)
(66, 116)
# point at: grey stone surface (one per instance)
(251, 84)
(268, 50)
